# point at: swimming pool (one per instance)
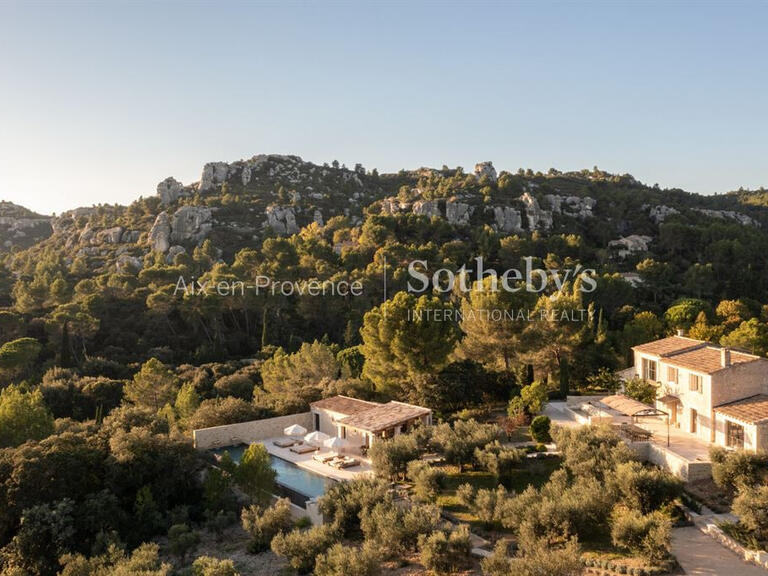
(289, 476)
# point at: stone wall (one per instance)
(759, 557)
(247, 432)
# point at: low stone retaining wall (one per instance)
(759, 557)
(247, 432)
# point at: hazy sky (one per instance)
(100, 101)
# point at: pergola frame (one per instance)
(634, 408)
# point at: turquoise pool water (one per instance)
(289, 475)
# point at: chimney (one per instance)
(725, 357)
(680, 332)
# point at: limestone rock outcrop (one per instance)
(507, 219)
(728, 215)
(628, 245)
(486, 169)
(170, 190)
(174, 251)
(538, 219)
(661, 212)
(160, 233)
(282, 219)
(458, 213)
(191, 224)
(213, 173)
(126, 264)
(575, 206)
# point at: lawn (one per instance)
(533, 472)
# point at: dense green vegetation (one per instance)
(105, 367)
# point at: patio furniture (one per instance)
(303, 449)
(295, 430)
(324, 458)
(345, 462)
(336, 444)
(284, 442)
(317, 438)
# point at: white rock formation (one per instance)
(629, 245)
(126, 264)
(174, 251)
(728, 215)
(538, 219)
(458, 213)
(507, 219)
(571, 205)
(170, 190)
(159, 235)
(282, 219)
(191, 224)
(213, 173)
(485, 169)
(318, 217)
(429, 208)
(661, 212)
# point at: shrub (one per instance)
(344, 503)
(751, 506)
(641, 390)
(458, 442)
(445, 552)
(426, 480)
(731, 469)
(390, 457)
(263, 524)
(348, 561)
(255, 474)
(590, 450)
(498, 460)
(302, 547)
(208, 566)
(181, 540)
(540, 429)
(648, 535)
(536, 558)
(645, 488)
(394, 530)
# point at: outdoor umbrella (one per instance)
(335, 443)
(295, 430)
(316, 438)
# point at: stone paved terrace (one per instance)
(306, 461)
(682, 443)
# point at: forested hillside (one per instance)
(106, 366)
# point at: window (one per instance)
(343, 431)
(671, 375)
(694, 382)
(734, 435)
(317, 421)
(694, 421)
(649, 369)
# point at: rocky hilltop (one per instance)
(239, 204)
(20, 227)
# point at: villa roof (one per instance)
(691, 354)
(707, 359)
(384, 416)
(750, 410)
(344, 405)
(668, 346)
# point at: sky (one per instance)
(100, 101)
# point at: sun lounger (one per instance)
(345, 462)
(323, 458)
(284, 442)
(302, 449)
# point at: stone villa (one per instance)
(714, 393)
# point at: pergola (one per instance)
(634, 408)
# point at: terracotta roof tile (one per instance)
(707, 359)
(750, 410)
(669, 345)
(384, 416)
(344, 405)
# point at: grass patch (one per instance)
(533, 472)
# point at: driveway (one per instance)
(701, 555)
